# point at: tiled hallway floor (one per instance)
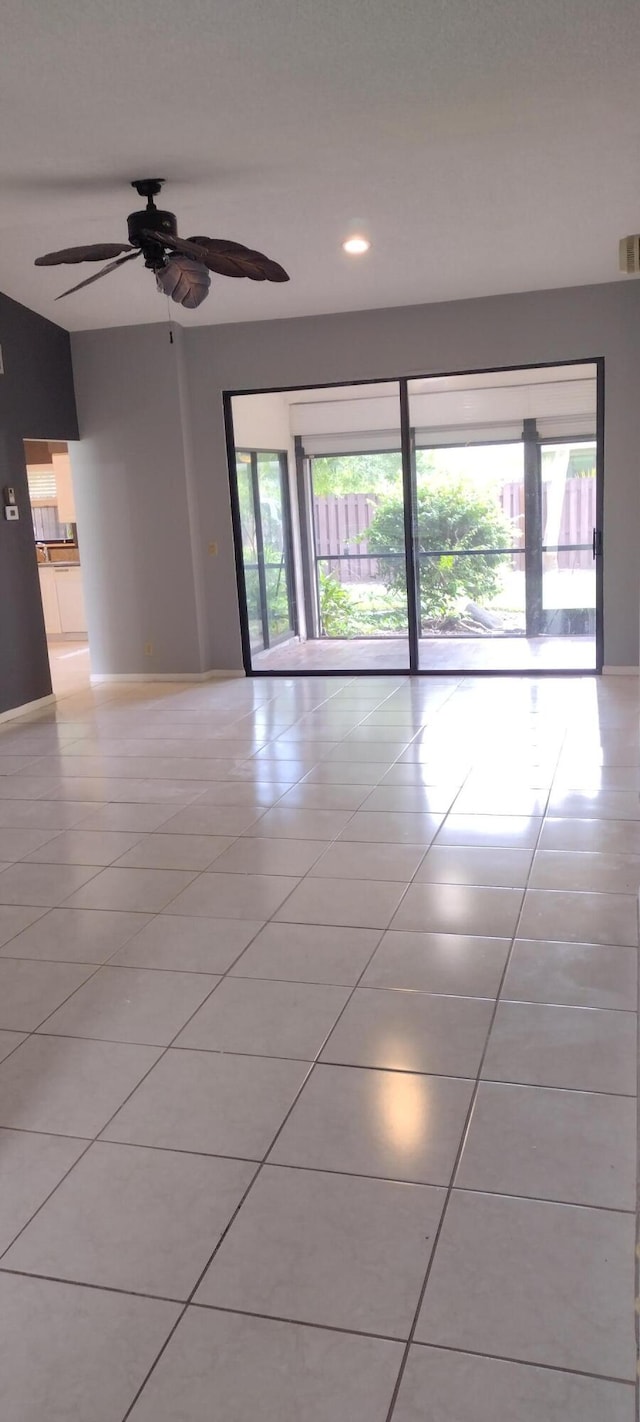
(317, 1017)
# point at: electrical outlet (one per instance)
(213, 549)
(148, 649)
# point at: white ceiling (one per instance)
(485, 147)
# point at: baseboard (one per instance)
(27, 708)
(621, 671)
(98, 678)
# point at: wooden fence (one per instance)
(342, 520)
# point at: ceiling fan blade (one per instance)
(111, 266)
(95, 252)
(241, 262)
(271, 271)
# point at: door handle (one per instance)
(596, 545)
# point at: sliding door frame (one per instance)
(407, 444)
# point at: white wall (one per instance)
(126, 380)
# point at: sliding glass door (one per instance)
(263, 500)
(443, 524)
(506, 527)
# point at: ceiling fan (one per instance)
(181, 266)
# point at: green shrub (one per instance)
(338, 617)
(449, 516)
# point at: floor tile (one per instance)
(578, 1266)
(351, 860)
(575, 1047)
(499, 868)
(142, 890)
(353, 903)
(68, 1352)
(30, 991)
(459, 908)
(458, 1387)
(438, 963)
(300, 824)
(595, 836)
(301, 952)
(498, 798)
(237, 793)
(203, 1101)
(392, 828)
(253, 896)
(577, 917)
(411, 1031)
(195, 945)
(82, 846)
(396, 1125)
(277, 1372)
(370, 752)
(597, 804)
(140, 819)
(421, 799)
(272, 1019)
(340, 1250)
(74, 935)
(305, 796)
(213, 819)
(131, 1005)
(269, 856)
(38, 814)
(600, 873)
(66, 1086)
(569, 1146)
(357, 772)
(17, 843)
(113, 1222)
(32, 1165)
(13, 919)
(42, 884)
(175, 851)
(573, 974)
(501, 831)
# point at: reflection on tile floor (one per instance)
(318, 1040)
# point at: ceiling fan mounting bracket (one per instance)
(148, 187)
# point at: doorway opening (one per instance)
(59, 561)
(443, 524)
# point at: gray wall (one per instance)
(124, 386)
(131, 493)
(36, 402)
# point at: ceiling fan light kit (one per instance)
(181, 266)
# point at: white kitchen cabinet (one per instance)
(63, 601)
(70, 600)
(50, 601)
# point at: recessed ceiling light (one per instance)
(355, 246)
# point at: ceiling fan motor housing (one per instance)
(151, 219)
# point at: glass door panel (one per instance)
(569, 518)
(361, 618)
(470, 564)
(276, 543)
(244, 481)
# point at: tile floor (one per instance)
(318, 1052)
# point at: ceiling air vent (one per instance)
(629, 258)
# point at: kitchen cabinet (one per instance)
(50, 601)
(63, 601)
